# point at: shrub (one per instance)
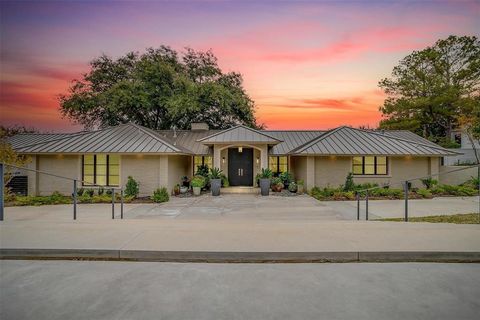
(445, 189)
(198, 181)
(225, 182)
(424, 193)
(100, 191)
(429, 182)
(80, 191)
(109, 192)
(202, 170)
(131, 188)
(349, 184)
(300, 182)
(473, 182)
(292, 187)
(160, 195)
(286, 177)
(89, 192)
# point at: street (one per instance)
(148, 290)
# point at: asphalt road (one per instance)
(136, 290)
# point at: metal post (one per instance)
(2, 189)
(358, 206)
(113, 203)
(406, 201)
(74, 199)
(366, 205)
(478, 180)
(121, 203)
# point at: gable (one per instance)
(239, 134)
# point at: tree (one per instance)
(158, 89)
(8, 155)
(429, 89)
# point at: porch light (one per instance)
(223, 159)
(258, 160)
(240, 149)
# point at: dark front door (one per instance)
(240, 167)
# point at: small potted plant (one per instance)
(185, 182)
(292, 187)
(176, 190)
(215, 181)
(300, 187)
(264, 181)
(277, 184)
(286, 178)
(197, 184)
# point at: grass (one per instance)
(466, 218)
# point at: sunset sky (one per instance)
(306, 64)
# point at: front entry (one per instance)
(240, 167)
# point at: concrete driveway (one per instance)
(247, 207)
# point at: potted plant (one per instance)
(286, 178)
(197, 184)
(292, 187)
(264, 181)
(215, 181)
(202, 170)
(185, 182)
(300, 187)
(277, 184)
(176, 190)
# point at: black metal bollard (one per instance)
(113, 203)
(358, 205)
(74, 199)
(406, 201)
(366, 205)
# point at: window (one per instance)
(370, 165)
(202, 160)
(101, 169)
(278, 164)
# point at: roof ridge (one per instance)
(316, 139)
(235, 127)
(146, 131)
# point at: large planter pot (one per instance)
(264, 187)
(183, 189)
(196, 191)
(216, 184)
(300, 188)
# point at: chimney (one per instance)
(199, 126)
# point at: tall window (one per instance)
(370, 165)
(278, 164)
(101, 169)
(202, 160)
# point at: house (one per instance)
(466, 152)
(160, 158)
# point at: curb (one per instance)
(238, 257)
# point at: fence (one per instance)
(74, 189)
(445, 174)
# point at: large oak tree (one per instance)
(432, 89)
(159, 89)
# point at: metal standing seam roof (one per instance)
(23, 139)
(350, 141)
(291, 139)
(125, 138)
(240, 133)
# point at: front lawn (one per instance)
(468, 218)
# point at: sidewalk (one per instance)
(232, 240)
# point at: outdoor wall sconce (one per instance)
(223, 160)
(258, 160)
(240, 149)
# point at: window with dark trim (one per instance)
(202, 160)
(370, 165)
(278, 164)
(101, 169)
